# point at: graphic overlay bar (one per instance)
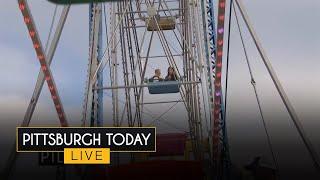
(86, 156)
(57, 139)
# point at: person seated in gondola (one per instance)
(171, 76)
(157, 76)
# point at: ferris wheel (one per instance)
(130, 43)
(143, 37)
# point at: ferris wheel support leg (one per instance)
(210, 49)
(114, 67)
(41, 78)
(92, 110)
(36, 93)
(100, 77)
(279, 87)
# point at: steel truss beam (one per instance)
(92, 110)
(210, 41)
(214, 40)
(219, 138)
(98, 100)
(163, 102)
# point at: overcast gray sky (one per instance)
(288, 29)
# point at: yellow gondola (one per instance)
(165, 23)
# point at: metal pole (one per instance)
(144, 85)
(162, 102)
(280, 89)
(114, 67)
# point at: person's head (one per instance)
(171, 71)
(157, 72)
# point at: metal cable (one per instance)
(164, 113)
(152, 116)
(256, 94)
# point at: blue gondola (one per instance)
(164, 87)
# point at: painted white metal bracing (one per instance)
(90, 107)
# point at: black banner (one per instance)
(56, 139)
